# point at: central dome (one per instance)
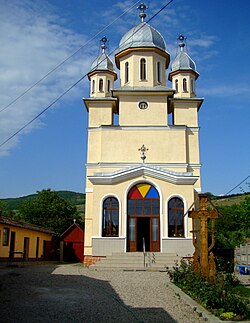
(142, 35)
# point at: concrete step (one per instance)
(135, 261)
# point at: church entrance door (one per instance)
(143, 218)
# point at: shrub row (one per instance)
(217, 296)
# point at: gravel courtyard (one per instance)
(72, 293)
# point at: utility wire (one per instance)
(44, 110)
(71, 87)
(210, 201)
(237, 185)
(69, 57)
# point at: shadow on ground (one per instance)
(34, 293)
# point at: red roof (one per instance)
(70, 228)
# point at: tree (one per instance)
(49, 210)
(4, 210)
(233, 225)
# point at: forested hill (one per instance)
(77, 199)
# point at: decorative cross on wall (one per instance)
(143, 150)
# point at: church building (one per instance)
(143, 165)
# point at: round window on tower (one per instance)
(143, 105)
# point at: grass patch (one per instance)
(242, 291)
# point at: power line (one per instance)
(237, 185)
(42, 112)
(72, 86)
(64, 61)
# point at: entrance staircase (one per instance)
(137, 261)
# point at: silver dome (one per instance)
(142, 35)
(103, 63)
(183, 62)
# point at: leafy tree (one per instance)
(49, 210)
(4, 210)
(233, 224)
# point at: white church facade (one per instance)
(143, 164)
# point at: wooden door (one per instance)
(132, 233)
(37, 247)
(155, 234)
(26, 244)
(12, 243)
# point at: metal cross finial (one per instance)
(142, 7)
(143, 149)
(182, 39)
(104, 41)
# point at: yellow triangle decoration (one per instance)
(143, 189)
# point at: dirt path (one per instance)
(71, 293)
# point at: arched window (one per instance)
(110, 217)
(159, 72)
(93, 86)
(108, 87)
(175, 217)
(184, 85)
(101, 85)
(176, 86)
(126, 72)
(143, 69)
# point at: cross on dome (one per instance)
(142, 7)
(182, 40)
(104, 41)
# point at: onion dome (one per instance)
(102, 62)
(142, 35)
(183, 61)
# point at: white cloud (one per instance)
(33, 41)
(225, 91)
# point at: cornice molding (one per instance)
(143, 128)
(109, 178)
(122, 165)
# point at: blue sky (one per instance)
(36, 36)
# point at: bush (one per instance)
(217, 296)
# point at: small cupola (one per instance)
(102, 74)
(183, 73)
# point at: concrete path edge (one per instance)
(207, 316)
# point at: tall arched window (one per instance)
(101, 85)
(184, 85)
(175, 217)
(93, 86)
(126, 72)
(110, 217)
(176, 86)
(159, 76)
(143, 69)
(108, 86)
